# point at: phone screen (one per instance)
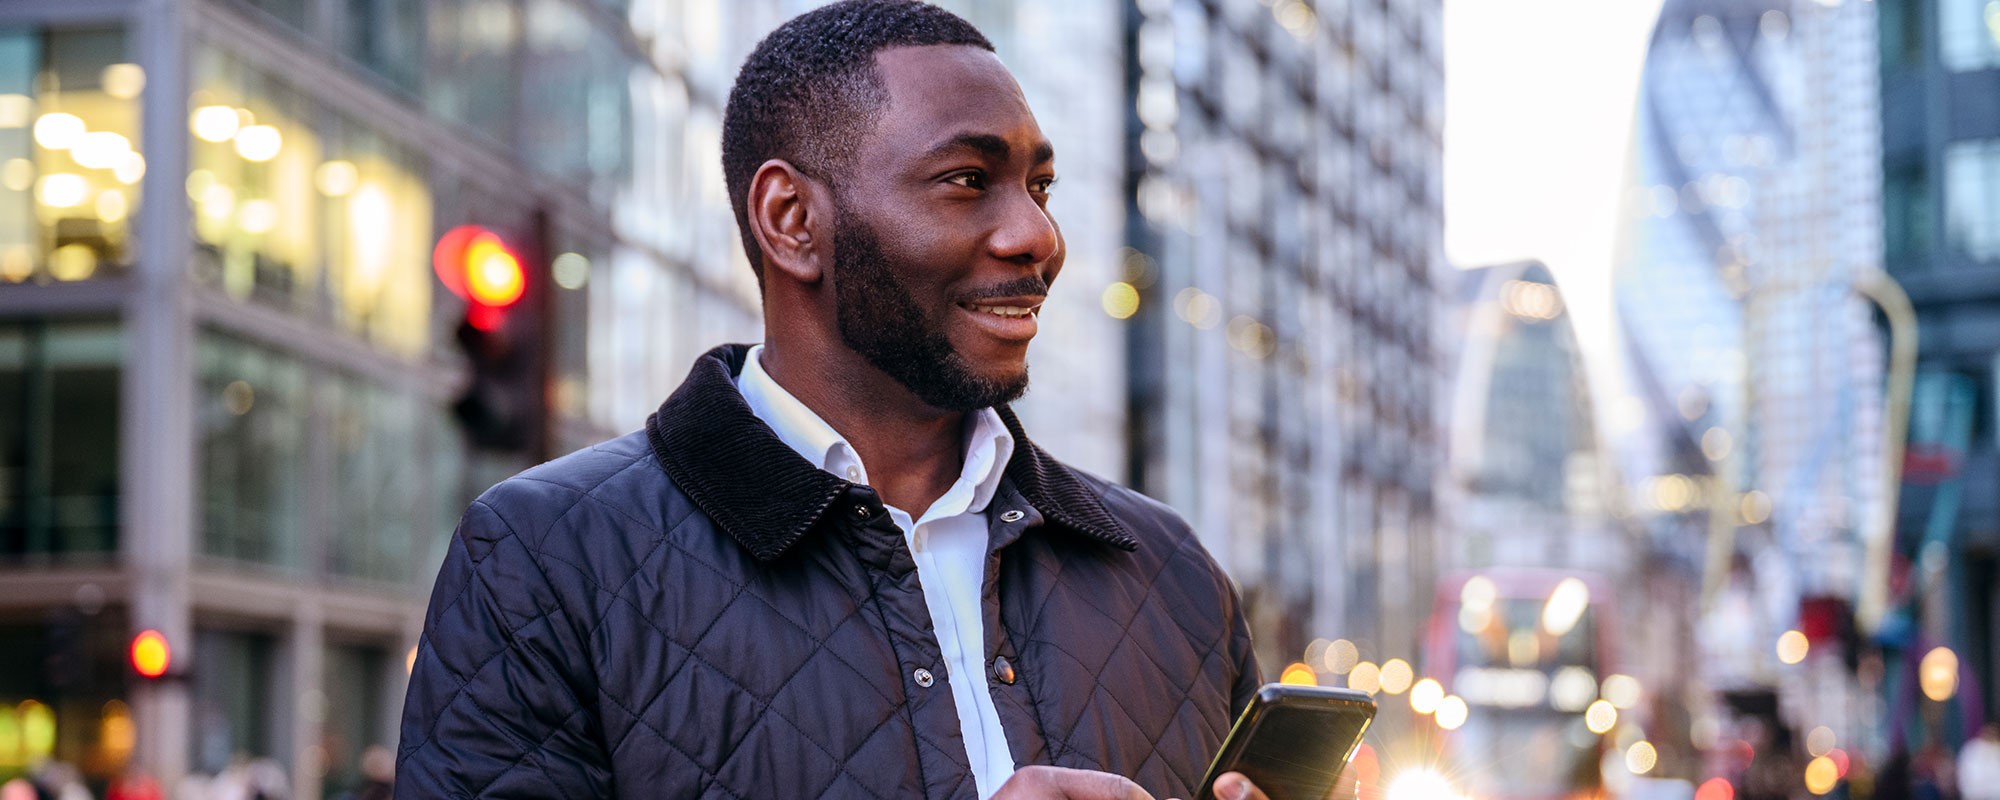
(1294, 744)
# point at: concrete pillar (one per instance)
(157, 516)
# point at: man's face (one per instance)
(943, 246)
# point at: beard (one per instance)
(880, 319)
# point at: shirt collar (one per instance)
(988, 444)
(711, 447)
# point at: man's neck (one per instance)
(913, 452)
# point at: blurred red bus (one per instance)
(1527, 650)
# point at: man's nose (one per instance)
(1026, 233)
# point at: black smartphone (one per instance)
(1293, 741)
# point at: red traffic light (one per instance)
(478, 266)
(150, 654)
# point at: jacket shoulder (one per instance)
(614, 479)
(1153, 523)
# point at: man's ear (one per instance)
(783, 219)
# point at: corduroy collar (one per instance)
(755, 487)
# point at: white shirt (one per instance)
(948, 542)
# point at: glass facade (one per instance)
(354, 713)
(69, 153)
(235, 707)
(1968, 33)
(1972, 197)
(254, 427)
(59, 446)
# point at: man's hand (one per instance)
(1057, 783)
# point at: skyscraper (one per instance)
(1283, 163)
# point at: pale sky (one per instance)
(1538, 118)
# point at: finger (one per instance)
(1233, 786)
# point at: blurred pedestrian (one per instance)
(833, 563)
(1979, 765)
(135, 784)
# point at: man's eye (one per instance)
(969, 180)
(1042, 186)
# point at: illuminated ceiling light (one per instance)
(1600, 717)
(1821, 775)
(1641, 757)
(259, 143)
(123, 81)
(58, 131)
(336, 178)
(1565, 606)
(1524, 648)
(1299, 674)
(15, 110)
(111, 205)
(1622, 691)
(1426, 695)
(1120, 300)
(1342, 656)
(1396, 676)
(101, 150)
(214, 123)
(1365, 677)
(62, 190)
(1792, 647)
(570, 271)
(73, 262)
(239, 397)
(258, 216)
(1474, 619)
(1820, 741)
(1937, 674)
(1451, 712)
(217, 202)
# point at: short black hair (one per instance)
(810, 90)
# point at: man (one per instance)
(833, 564)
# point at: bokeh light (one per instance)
(1820, 741)
(1342, 656)
(1821, 775)
(1715, 789)
(1365, 677)
(1792, 647)
(1299, 674)
(1396, 676)
(1622, 691)
(59, 131)
(1937, 674)
(1572, 689)
(1426, 695)
(1565, 606)
(1600, 716)
(1120, 300)
(1451, 712)
(1641, 757)
(214, 123)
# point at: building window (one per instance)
(577, 101)
(252, 413)
(378, 470)
(1969, 33)
(1906, 216)
(62, 690)
(387, 36)
(69, 153)
(471, 77)
(1972, 198)
(355, 711)
(233, 703)
(59, 412)
(301, 209)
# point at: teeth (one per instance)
(1005, 311)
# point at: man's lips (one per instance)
(1010, 318)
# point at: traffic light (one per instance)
(151, 655)
(504, 336)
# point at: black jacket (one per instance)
(697, 611)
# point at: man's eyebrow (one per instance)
(991, 146)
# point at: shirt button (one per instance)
(924, 677)
(1003, 670)
(1011, 515)
(854, 473)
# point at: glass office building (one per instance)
(1286, 232)
(226, 367)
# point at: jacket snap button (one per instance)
(923, 677)
(1011, 515)
(862, 512)
(1004, 670)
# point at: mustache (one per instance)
(1030, 284)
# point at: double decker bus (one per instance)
(1528, 650)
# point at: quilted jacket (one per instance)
(697, 611)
